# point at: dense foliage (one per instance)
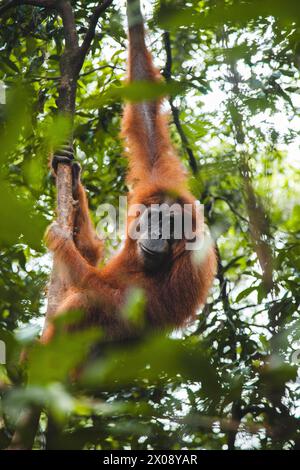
(230, 381)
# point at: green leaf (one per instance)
(9, 63)
(19, 219)
(245, 293)
(135, 92)
(55, 361)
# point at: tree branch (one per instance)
(70, 64)
(27, 425)
(66, 106)
(167, 73)
(84, 74)
(66, 12)
(90, 34)
(240, 216)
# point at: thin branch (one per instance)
(167, 73)
(240, 216)
(26, 430)
(90, 34)
(97, 69)
(84, 74)
(232, 262)
(183, 137)
(256, 325)
(66, 11)
(236, 415)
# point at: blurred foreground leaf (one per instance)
(155, 358)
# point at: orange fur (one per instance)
(181, 286)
